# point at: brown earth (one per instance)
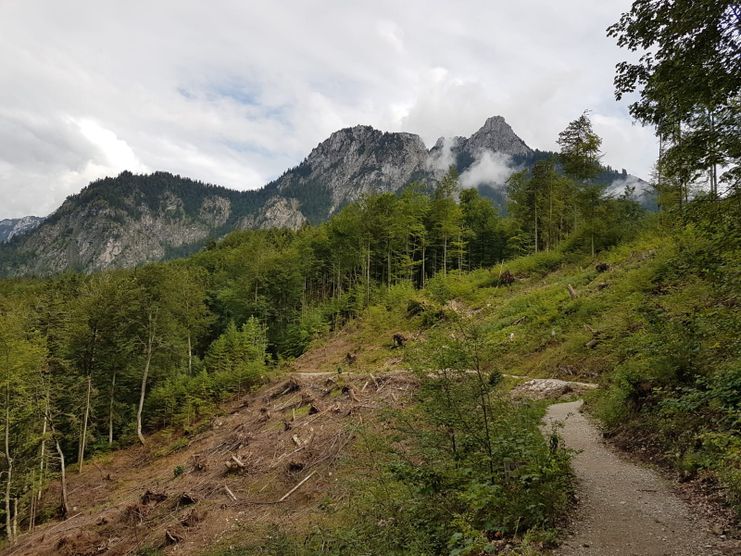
(234, 478)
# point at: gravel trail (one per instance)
(625, 509)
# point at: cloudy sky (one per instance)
(235, 92)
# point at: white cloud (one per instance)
(443, 159)
(117, 154)
(490, 168)
(235, 92)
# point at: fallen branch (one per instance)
(230, 493)
(275, 462)
(294, 489)
(171, 537)
(351, 393)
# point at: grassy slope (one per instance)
(657, 330)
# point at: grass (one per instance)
(658, 330)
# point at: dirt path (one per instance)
(625, 509)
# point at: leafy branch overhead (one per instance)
(688, 81)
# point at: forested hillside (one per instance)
(99, 362)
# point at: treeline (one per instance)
(91, 363)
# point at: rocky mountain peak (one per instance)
(13, 227)
(350, 163)
(496, 135)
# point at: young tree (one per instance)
(486, 240)
(532, 198)
(580, 149)
(414, 207)
(445, 215)
(157, 303)
(192, 313)
(21, 356)
(580, 156)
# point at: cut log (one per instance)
(186, 499)
(350, 392)
(152, 496)
(572, 291)
(234, 464)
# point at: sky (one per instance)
(236, 92)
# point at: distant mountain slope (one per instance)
(123, 221)
(12, 227)
(131, 219)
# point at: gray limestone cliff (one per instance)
(11, 227)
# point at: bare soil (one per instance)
(270, 459)
(625, 508)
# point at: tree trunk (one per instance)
(62, 480)
(460, 253)
(9, 472)
(592, 237)
(32, 502)
(145, 375)
(83, 437)
(388, 266)
(550, 219)
(42, 455)
(536, 227)
(190, 354)
(367, 273)
(424, 257)
(714, 167)
(445, 255)
(110, 409)
(15, 517)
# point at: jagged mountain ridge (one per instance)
(359, 160)
(11, 227)
(131, 219)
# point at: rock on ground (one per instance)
(542, 388)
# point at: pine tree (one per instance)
(580, 156)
